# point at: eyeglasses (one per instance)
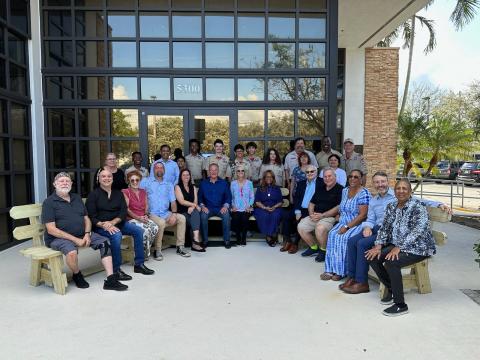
(240, 170)
(134, 180)
(353, 177)
(310, 172)
(111, 159)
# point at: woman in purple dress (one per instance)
(268, 211)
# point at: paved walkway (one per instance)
(243, 303)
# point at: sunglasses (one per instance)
(134, 180)
(240, 170)
(310, 172)
(353, 177)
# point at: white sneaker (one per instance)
(157, 255)
(182, 252)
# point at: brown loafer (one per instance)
(286, 246)
(293, 249)
(357, 288)
(349, 282)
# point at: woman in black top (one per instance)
(187, 205)
(119, 182)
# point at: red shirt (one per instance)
(137, 203)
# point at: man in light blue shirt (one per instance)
(357, 264)
(161, 196)
(172, 172)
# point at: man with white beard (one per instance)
(68, 227)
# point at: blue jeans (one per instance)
(357, 264)
(126, 228)
(225, 225)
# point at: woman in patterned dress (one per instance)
(353, 210)
(298, 173)
(242, 204)
(137, 210)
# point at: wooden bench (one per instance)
(47, 264)
(419, 278)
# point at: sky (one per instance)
(455, 62)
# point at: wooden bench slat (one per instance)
(440, 237)
(28, 231)
(26, 211)
(437, 214)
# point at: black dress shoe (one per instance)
(228, 245)
(142, 269)
(121, 276)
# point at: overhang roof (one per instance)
(363, 23)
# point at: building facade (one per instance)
(82, 78)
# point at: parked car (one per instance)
(470, 172)
(447, 169)
(412, 176)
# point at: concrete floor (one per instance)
(243, 303)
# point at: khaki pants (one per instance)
(308, 225)
(162, 225)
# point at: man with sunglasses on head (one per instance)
(301, 200)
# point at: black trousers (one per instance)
(390, 271)
(289, 225)
(240, 223)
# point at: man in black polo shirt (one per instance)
(68, 227)
(322, 211)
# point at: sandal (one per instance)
(336, 277)
(199, 244)
(326, 276)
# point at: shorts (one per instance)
(309, 225)
(66, 246)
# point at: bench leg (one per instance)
(59, 278)
(128, 253)
(422, 276)
(35, 271)
(382, 290)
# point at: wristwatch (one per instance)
(346, 227)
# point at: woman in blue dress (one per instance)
(268, 211)
(353, 210)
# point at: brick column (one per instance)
(381, 110)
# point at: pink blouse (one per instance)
(138, 205)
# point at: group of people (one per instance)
(330, 210)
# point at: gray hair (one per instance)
(325, 169)
(311, 167)
(62, 174)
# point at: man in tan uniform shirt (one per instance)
(195, 161)
(223, 162)
(255, 163)
(240, 161)
(352, 160)
(322, 156)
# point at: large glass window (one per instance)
(187, 89)
(90, 53)
(122, 54)
(311, 89)
(281, 26)
(311, 55)
(251, 55)
(312, 26)
(154, 54)
(219, 55)
(187, 55)
(218, 25)
(121, 24)
(154, 25)
(281, 89)
(251, 123)
(123, 88)
(251, 90)
(220, 89)
(280, 123)
(89, 23)
(155, 89)
(186, 25)
(281, 55)
(251, 26)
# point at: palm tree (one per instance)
(410, 132)
(462, 14)
(407, 29)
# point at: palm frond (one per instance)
(406, 34)
(430, 25)
(464, 12)
(390, 38)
